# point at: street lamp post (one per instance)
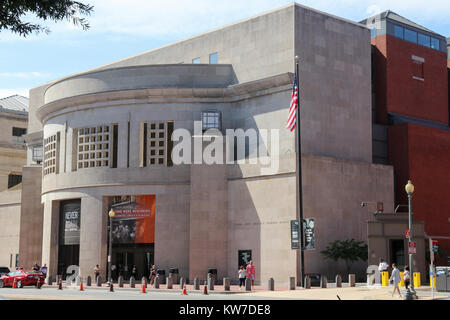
(111, 215)
(409, 188)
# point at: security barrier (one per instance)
(433, 282)
(385, 279)
(402, 282)
(416, 279)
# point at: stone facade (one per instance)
(205, 213)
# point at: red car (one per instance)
(22, 277)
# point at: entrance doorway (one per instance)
(69, 235)
(68, 255)
(125, 256)
(397, 247)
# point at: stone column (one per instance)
(93, 228)
(50, 238)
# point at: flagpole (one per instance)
(299, 175)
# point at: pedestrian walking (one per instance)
(251, 272)
(44, 270)
(406, 277)
(96, 272)
(395, 278)
(241, 274)
(152, 274)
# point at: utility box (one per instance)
(442, 279)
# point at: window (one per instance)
(424, 40)
(372, 32)
(435, 43)
(37, 154)
(17, 134)
(214, 58)
(418, 71)
(211, 120)
(51, 146)
(398, 31)
(156, 144)
(410, 36)
(93, 148)
(14, 180)
(196, 61)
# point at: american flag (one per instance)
(292, 120)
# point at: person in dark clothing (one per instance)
(152, 274)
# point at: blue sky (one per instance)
(120, 28)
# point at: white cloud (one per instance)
(24, 75)
(10, 92)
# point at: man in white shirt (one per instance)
(382, 267)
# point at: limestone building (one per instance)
(13, 155)
(106, 139)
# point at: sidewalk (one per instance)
(360, 292)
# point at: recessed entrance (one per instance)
(397, 251)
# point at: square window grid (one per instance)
(211, 120)
(156, 143)
(93, 147)
(50, 155)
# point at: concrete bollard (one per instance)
(144, 281)
(169, 283)
(156, 283)
(49, 280)
(120, 282)
(271, 285)
(210, 283)
(181, 282)
(323, 281)
(99, 281)
(226, 284)
(132, 282)
(307, 283)
(351, 280)
(291, 283)
(89, 281)
(338, 281)
(248, 284)
(196, 284)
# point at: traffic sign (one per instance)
(435, 246)
(407, 233)
(412, 248)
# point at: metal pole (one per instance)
(409, 241)
(299, 183)
(109, 250)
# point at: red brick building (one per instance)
(411, 119)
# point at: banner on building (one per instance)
(295, 235)
(70, 219)
(244, 257)
(310, 239)
(134, 219)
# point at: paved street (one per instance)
(360, 292)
